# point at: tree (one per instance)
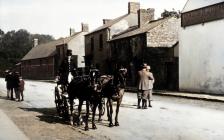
(172, 13)
(15, 44)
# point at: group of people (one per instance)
(145, 86)
(14, 84)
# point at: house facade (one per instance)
(154, 42)
(96, 45)
(201, 47)
(42, 61)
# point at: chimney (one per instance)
(71, 31)
(85, 27)
(145, 16)
(133, 7)
(105, 21)
(35, 42)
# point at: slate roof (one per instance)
(135, 31)
(47, 49)
(196, 4)
(112, 22)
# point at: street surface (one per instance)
(170, 118)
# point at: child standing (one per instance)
(21, 87)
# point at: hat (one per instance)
(148, 67)
(144, 65)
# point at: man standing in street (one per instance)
(143, 86)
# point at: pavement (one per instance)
(9, 131)
(190, 95)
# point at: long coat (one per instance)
(144, 77)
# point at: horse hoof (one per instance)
(86, 128)
(100, 120)
(94, 127)
(116, 123)
(111, 125)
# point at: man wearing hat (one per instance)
(143, 86)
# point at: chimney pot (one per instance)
(85, 27)
(105, 21)
(71, 31)
(35, 42)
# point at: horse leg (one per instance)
(93, 116)
(71, 110)
(87, 116)
(100, 110)
(108, 110)
(121, 93)
(79, 111)
(110, 113)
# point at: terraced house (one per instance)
(96, 45)
(154, 42)
(43, 61)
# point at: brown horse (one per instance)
(113, 89)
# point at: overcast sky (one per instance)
(55, 17)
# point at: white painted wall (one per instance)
(202, 58)
(77, 45)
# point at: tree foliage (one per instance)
(172, 13)
(15, 44)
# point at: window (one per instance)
(92, 44)
(101, 41)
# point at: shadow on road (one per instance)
(48, 115)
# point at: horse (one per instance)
(112, 88)
(84, 88)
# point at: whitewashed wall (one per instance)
(77, 45)
(202, 58)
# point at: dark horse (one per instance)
(84, 88)
(113, 89)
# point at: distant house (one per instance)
(43, 60)
(201, 47)
(96, 46)
(152, 41)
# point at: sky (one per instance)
(55, 17)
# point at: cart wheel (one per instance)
(58, 102)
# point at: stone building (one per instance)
(152, 41)
(96, 45)
(43, 60)
(201, 47)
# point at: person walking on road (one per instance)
(151, 82)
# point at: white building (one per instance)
(201, 52)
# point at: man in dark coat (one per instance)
(9, 83)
